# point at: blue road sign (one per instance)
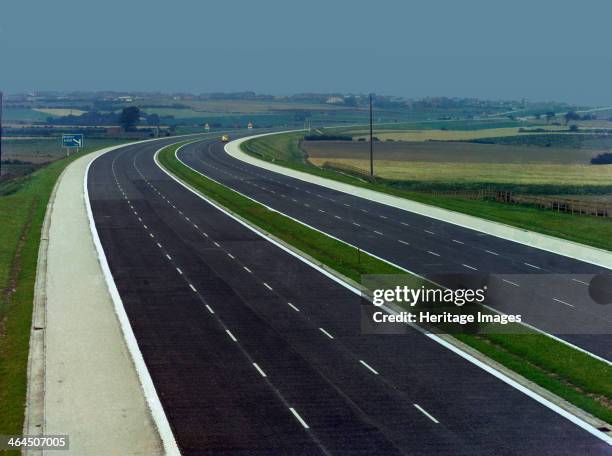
(72, 141)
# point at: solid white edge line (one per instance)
(150, 393)
(565, 414)
(299, 418)
(424, 412)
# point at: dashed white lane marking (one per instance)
(139, 219)
(261, 372)
(193, 288)
(531, 265)
(231, 256)
(216, 244)
(378, 232)
(326, 333)
(210, 309)
(338, 217)
(247, 270)
(356, 224)
(433, 253)
(491, 252)
(511, 283)
(168, 256)
(469, 267)
(179, 271)
(159, 245)
(293, 307)
(429, 232)
(563, 302)
(383, 217)
(580, 281)
(457, 242)
(151, 235)
(196, 226)
(299, 418)
(229, 333)
(321, 210)
(267, 286)
(403, 242)
(424, 412)
(367, 366)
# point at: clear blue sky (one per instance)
(542, 50)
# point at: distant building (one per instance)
(335, 100)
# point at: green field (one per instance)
(39, 150)
(572, 375)
(23, 115)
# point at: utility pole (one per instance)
(371, 142)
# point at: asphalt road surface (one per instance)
(252, 351)
(550, 291)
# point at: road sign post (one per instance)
(72, 141)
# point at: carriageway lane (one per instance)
(253, 351)
(550, 291)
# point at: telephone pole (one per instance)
(371, 142)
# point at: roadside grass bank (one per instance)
(572, 375)
(22, 208)
(284, 150)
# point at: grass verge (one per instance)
(572, 375)
(283, 149)
(23, 209)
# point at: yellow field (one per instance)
(60, 112)
(444, 135)
(457, 172)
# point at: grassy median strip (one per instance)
(283, 149)
(571, 374)
(23, 204)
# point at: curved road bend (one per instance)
(254, 352)
(550, 291)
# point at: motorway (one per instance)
(252, 351)
(550, 291)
